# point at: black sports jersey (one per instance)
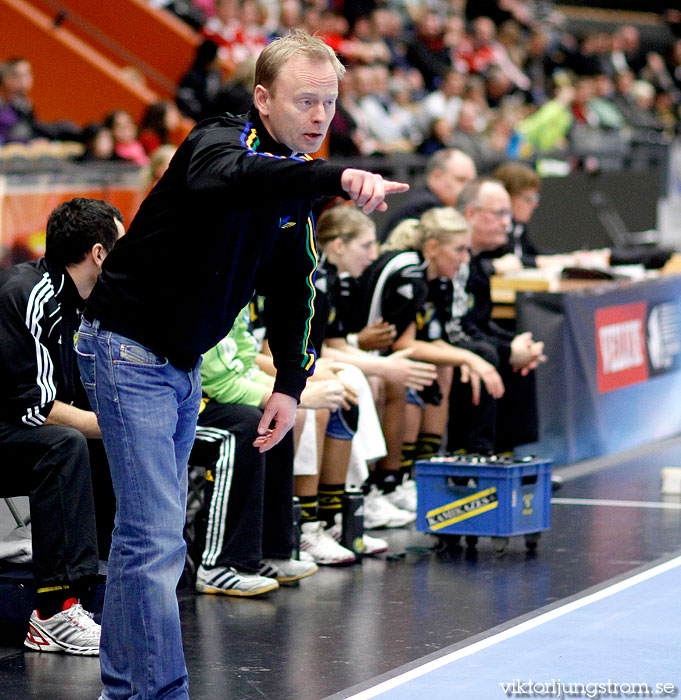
(478, 323)
(327, 322)
(39, 316)
(392, 288)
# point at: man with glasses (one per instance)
(487, 206)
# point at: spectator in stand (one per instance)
(160, 125)
(236, 95)
(468, 135)
(484, 51)
(539, 66)
(18, 122)
(675, 63)
(199, 86)
(428, 52)
(593, 56)
(99, 145)
(393, 128)
(445, 102)
(657, 74)
(447, 173)
(124, 132)
(159, 161)
(290, 16)
(498, 87)
(635, 100)
(365, 44)
(349, 133)
(547, 128)
(439, 136)
(388, 25)
(626, 53)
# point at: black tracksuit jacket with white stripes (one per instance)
(39, 315)
(231, 215)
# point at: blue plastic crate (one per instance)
(456, 497)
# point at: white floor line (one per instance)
(616, 504)
(515, 631)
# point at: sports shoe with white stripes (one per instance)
(287, 570)
(315, 540)
(71, 631)
(227, 581)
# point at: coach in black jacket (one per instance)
(44, 414)
(230, 215)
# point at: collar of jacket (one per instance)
(64, 287)
(266, 144)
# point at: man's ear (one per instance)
(98, 253)
(261, 98)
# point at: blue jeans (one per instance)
(147, 411)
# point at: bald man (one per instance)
(447, 172)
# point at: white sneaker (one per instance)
(227, 581)
(380, 512)
(403, 497)
(372, 545)
(287, 570)
(323, 548)
(71, 631)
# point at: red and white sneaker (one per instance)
(71, 631)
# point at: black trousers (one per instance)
(248, 495)
(494, 425)
(51, 465)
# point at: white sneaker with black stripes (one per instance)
(227, 581)
(287, 571)
(71, 631)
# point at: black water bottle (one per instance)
(297, 520)
(352, 533)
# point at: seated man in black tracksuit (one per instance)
(486, 205)
(50, 447)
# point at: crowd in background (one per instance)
(497, 79)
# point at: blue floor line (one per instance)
(625, 633)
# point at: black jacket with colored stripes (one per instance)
(230, 216)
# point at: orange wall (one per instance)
(154, 37)
(72, 80)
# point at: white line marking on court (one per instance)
(616, 504)
(515, 631)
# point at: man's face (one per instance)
(299, 106)
(490, 218)
(457, 172)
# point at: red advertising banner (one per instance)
(621, 343)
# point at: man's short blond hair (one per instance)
(298, 43)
